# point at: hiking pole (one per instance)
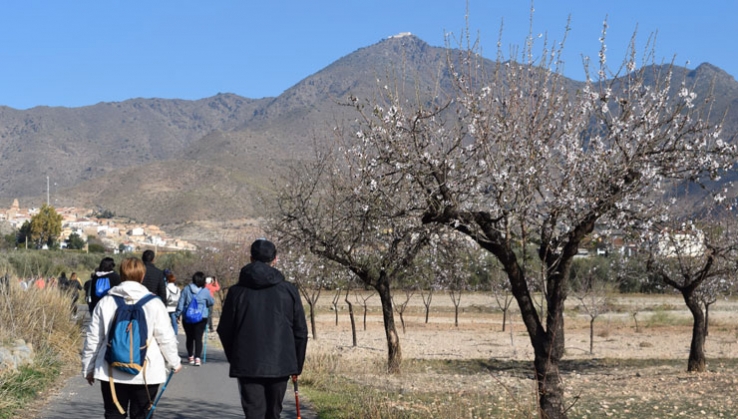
(205, 345)
(164, 387)
(297, 397)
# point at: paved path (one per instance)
(195, 392)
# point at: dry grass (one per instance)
(478, 371)
(42, 319)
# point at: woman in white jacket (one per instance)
(134, 392)
(173, 293)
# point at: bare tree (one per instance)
(709, 295)
(309, 274)
(423, 278)
(592, 290)
(521, 157)
(451, 255)
(400, 308)
(364, 299)
(427, 296)
(334, 303)
(501, 292)
(223, 260)
(454, 292)
(351, 316)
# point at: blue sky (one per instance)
(81, 52)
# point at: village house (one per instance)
(120, 237)
(681, 243)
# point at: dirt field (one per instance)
(632, 373)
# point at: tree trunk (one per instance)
(635, 319)
(351, 316)
(394, 352)
(427, 303)
(551, 402)
(697, 360)
(312, 319)
(547, 343)
(365, 317)
(549, 349)
(504, 319)
(707, 319)
(591, 335)
(335, 304)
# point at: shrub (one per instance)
(43, 319)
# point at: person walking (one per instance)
(173, 294)
(63, 282)
(101, 281)
(154, 279)
(133, 393)
(212, 284)
(74, 286)
(194, 330)
(264, 333)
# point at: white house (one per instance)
(156, 241)
(136, 231)
(681, 243)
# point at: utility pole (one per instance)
(47, 191)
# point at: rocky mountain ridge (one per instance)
(174, 162)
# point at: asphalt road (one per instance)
(195, 392)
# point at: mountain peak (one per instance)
(707, 69)
(400, 35)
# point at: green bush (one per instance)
(95, 248)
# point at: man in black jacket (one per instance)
(264, 333)
(154, 278)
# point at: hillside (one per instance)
(171, 162)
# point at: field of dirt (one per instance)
(632, 372)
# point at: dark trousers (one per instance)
(132, 397)
(261, 398)
(193, 333)
(210, 321)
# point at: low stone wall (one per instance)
(15, 354)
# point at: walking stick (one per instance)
(205, 345)
(297, 398)
(153, 406)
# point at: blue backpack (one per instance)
(193, 314)
(128, 336)
(102, 286)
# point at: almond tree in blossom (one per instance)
(697, 259)
(350, 210)
(520, 157)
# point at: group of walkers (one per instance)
(262, 328)
(70, 287)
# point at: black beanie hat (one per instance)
(263, 250)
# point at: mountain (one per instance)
(172, 162)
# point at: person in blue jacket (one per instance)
(194, 322)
